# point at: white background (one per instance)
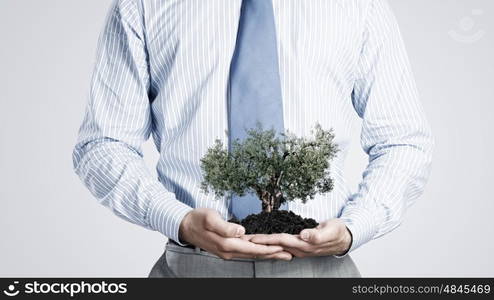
(51, 226)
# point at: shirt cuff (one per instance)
(360, 223)
(350, 247)
(166, 214)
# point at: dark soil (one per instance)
(278, 221)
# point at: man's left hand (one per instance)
(329, 238)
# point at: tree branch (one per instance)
(279, 178)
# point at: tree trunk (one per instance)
(267, 205)
(270, 202)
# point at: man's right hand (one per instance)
(205, 228)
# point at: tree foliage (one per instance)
(275, 167)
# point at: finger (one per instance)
(282, 255)
(313, 236)
(319, 235)
(247, 237)
(214, 223)
(296, 252)
(313, 252)
(282, 239)
(329, 248)
(237, 245)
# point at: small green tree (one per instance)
(276, 168)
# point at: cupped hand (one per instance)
(205, 228)
(329, 238)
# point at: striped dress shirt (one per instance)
(162, 69)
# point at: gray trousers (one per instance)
(178, 261)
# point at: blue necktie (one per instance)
(255, 88)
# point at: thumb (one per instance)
(216, 224)
(313, 235)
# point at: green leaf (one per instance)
(279, 164)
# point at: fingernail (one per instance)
(305, 235)
(239, 232)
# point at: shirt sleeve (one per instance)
(395, 133)
(107, 156)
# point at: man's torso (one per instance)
(190, 45)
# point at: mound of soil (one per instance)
(278, 221)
